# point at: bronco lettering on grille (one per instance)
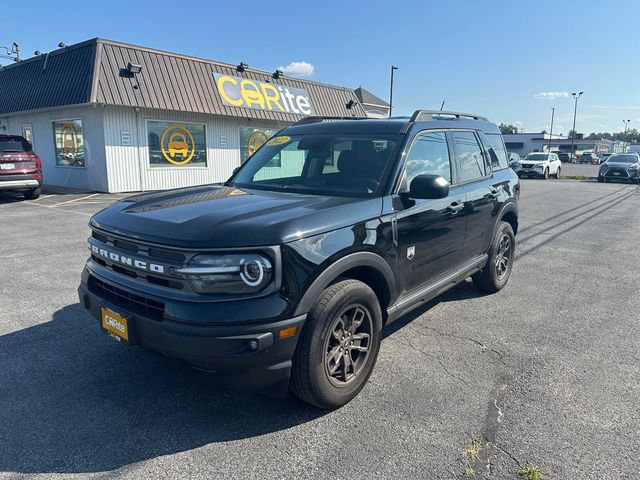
(129, 261)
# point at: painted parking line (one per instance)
(77, 199)
(31, 204)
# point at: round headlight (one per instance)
(252, 272)
(228, 273)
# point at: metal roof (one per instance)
(54, 79)
(368, 98)
(167, 81)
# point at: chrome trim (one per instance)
(204, 270)
(18, 183)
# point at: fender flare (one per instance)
(358, 259)
(506, 208)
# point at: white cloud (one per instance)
(298, 69)
(551, 95)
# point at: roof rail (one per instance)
(318, 119)
(421, 115)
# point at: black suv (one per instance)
(285, 275)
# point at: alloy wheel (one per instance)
(348, 345)
(503, 256)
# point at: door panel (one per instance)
(430, 238)
(430, 232)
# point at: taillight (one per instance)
(38, 162)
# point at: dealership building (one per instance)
(112, 117)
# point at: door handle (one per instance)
(455, 207)
(494, 193)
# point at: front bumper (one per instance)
(620, 175)
(223, 349)
(19, 182)
(531, 173)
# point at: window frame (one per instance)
(405, 154)
(160, 168)
(55, 145)
(487, 161)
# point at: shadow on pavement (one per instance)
(72, 400)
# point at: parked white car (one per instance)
(538, 164)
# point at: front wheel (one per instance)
(338, 346)
(546, 174)
(495, 275)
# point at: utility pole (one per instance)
(391, 90)
(624, 136)
(553, 111)
(576, 96)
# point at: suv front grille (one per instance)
(147, 253)
(130, 301)
(621, 172)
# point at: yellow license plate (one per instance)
(115, 324)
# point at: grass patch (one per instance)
(469, 472)
(531, 473)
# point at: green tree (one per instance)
(508, 128)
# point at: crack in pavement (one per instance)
(442, 365)
(484, 347)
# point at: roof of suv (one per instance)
(393, 125)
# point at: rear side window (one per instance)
(469, 157)
(429, 154)
(14, 144)
(496, 141)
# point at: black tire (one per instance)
(558, 173)
(489, 280)
(32, 194)
(546, 174)
(600, 179)
(311, 380)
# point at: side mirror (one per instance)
(428, 187)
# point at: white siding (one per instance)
(128, 166)
(91, 177)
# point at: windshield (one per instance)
(622, 159)
(324, 164)
(537, 156)
(14, 144)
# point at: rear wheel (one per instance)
(558, 173)
(495, 275)
(338, 346)
(32, 194)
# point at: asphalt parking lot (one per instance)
(547, 370)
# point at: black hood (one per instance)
(218, 216)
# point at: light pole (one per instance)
(391, 90)
(624, 137)
(575, 111)
(553, 111)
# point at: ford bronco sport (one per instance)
(284, 276)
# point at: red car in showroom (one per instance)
(20, 167)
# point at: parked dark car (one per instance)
(564, 157)
(588, 157)
(284, 276)
(20, 167)
(620, 166)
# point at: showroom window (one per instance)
(69, 141)
(176, 144)
(251, 139)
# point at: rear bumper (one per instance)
(244, 356)
(19, 182)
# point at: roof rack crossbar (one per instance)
(420, 115)
(318, 119)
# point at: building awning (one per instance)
(95, 72)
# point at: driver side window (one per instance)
(429, 154)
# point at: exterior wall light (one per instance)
(241, 67)
(277, 74)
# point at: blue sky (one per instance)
(488, 57)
